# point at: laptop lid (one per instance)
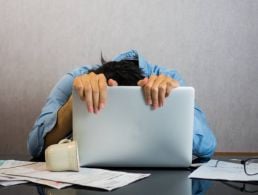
(129, 133)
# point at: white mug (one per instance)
(62, 156)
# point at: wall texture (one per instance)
(213, 44)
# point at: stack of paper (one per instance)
(15, 172)
(223, 171)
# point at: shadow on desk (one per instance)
(159, 183)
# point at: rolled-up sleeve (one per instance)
(47, 119)
(48, 116)
(204, 141)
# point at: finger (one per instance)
(147, 89)
(162, 92)
(78, 86)
(155, 93)
(142, 82)
(112, 82)
(95, 91)
(87, 93)
(102, 91)
(172, 84)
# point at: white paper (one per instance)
(11, 183)
(8, 180)
(223, 171)
(6, 164)
(98, 178)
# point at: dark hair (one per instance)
(125, 72)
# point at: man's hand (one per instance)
(92, 88)
(156, 88)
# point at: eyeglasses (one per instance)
(250, 165)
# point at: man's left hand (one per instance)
(157, 88)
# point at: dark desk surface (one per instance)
(161, 182)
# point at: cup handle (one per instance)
(63, 141)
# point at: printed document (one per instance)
(223, 171)
(91, 177)
(8, 180)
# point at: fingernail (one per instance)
(90, 109)
(155, 106)
(101, 106)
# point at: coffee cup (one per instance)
(62, 156)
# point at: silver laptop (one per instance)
(129, 133)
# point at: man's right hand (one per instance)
(92, 88)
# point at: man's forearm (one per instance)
(63, 124)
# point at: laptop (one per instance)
(129, 133)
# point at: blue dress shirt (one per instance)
(204, 141)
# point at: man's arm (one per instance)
(63, 125)
(204, 141)
(48, 117)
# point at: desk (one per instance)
(161, 182)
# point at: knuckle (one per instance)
(173, 84)
(77, 87)
(102, 87)
(87, 89)
(162, 88)
(95, 91)
(148, 87)
(169, 83)
(154, 89)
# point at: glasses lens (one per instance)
(252, 166)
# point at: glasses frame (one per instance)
(245, 162)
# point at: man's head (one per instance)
(124, 72)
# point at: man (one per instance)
(128, 68)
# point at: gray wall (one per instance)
(213, 44)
